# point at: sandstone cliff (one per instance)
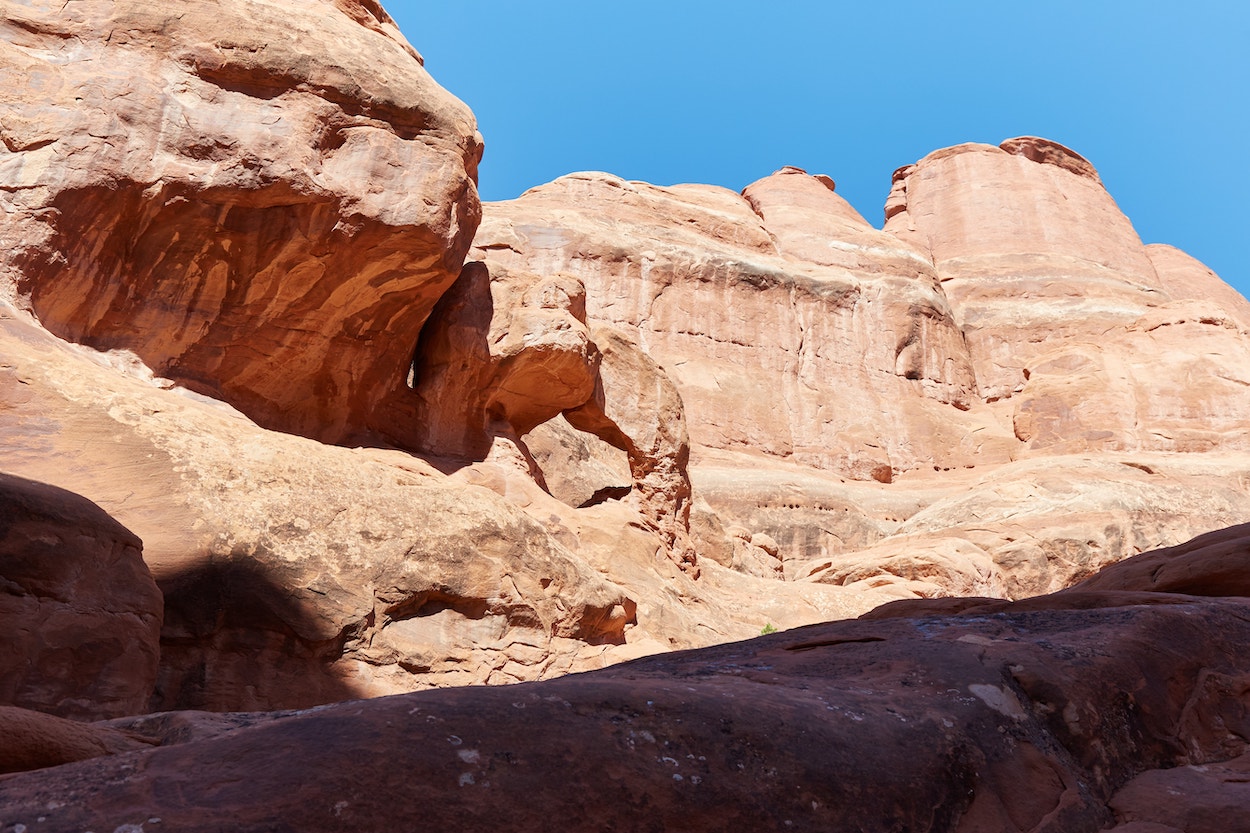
(1007, 314)
(336, 430)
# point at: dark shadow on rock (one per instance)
(79, 612)
(236, 639)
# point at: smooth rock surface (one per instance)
(33, 740)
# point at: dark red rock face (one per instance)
(80, 615)
(1019, 720)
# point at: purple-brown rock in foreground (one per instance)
(1030, 718)
(80, 616)
(33, 740)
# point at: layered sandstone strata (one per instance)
(1008, 311)
(791, 327)
(1095, 340)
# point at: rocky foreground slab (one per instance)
(1056, 713)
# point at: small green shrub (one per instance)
(767, 629)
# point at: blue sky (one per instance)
(1155, 94)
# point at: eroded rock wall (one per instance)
(1008, 311)
(799, 332)
(265, 216)
(1067, 318)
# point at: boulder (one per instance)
(265, 216)
(80, 615)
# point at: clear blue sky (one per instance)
(1155, 94)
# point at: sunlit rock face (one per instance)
(835, 376)
(242, 316)
(791, 327)
(626, 419)
(1097, 341)
(1030, 248)
(266, 216)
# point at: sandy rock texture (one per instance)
(1059, 713)
(262, 200)
(297, 573)
(870, 400)
(80, 616)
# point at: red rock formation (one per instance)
(266, 216)
(996, 395)
(80, 616)
(636, 409)
(297, 573)
(1030, 248)
(1215, 564)
(1007, 311)
(33, 740)
(1202, 798)
(1027, 716)
(502, 354)
(649, 418)
(789, 325)
(1088, 333)
(1184, 278)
